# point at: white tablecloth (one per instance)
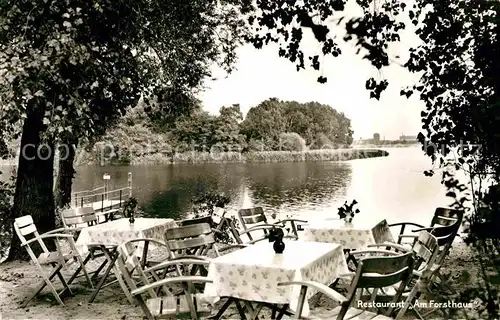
(253, 273)
(117, 232)
(355, 236)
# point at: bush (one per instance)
(204, 206)
(291, 141)
(322, 142)
(6, 220)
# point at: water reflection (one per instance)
(167, 191)
(289, 188)
(392, 187)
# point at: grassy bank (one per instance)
(263, 156)
(227, 157)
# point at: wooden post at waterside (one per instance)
(129, 182)
(106, 178)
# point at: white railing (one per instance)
(103, 195)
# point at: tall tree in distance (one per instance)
(69, 69)
(312, 121)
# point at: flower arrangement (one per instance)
(129, 209)
(347, 211)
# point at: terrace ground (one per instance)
(18, 280)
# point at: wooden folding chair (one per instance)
(194, 239)
(426, 252)
(146, 287)
(255, 216)
(75, 219)
(442, 217)
(445, 236)
(372, 273)
(24, 227)
(78, 218)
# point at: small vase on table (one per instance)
(279, 246)
(276, 236)
(348, 221)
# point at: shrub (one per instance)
(291, 141)
(204, 205)
(6, 220)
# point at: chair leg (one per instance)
(96, 273)
(408, 302)
(65, 284)
(273, 312)
(241, 310)
(82, 266)
(40, 288)
(223, 308)
(46, 282)
(123, 285)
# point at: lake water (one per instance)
(392, 187)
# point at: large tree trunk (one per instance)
(66, 174)
(35, 181)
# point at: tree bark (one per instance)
(35, 181)
(66, 174)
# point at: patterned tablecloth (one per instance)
(355, 236)
(116, 232)
(253, 273)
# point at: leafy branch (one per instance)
(348, 210)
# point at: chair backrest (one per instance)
(445, 233)
(187, 222)
(445, 236)
(426, 249)
(381, 232)
(446, 216)
(197, 237)
(129, 263)
(26, 230)
(379, 272)
(251, 216)
(78, 217)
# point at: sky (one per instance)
(261, 74)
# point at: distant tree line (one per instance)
(271, 125)
(386, 142)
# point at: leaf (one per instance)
(322, 79)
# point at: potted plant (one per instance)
(129, 209)
(347, 212)
(276, 235)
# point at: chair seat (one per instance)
(351, 314)
(177, 305)
(51, 257)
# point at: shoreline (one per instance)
(196, 157)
